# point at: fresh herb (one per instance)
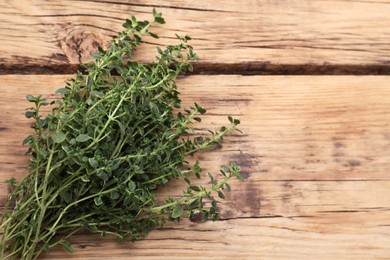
(112, 139)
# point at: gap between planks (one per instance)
(203, 68)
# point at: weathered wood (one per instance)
(314, 153)
(323, 236)
(277, 36)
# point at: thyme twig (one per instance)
(108, 143)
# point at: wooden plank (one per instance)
(295, 128)
(360, 236)
(314, 153)
(245, 33)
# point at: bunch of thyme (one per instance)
(108, 143)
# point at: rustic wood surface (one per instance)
(314, 154)
(315, 149)
(253, 35)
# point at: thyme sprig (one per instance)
(99, 155)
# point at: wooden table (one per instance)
(298, 73)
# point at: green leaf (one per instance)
(85, 178)
(67, 245)
(114, 195)
(98, 201)
(159, 20)
(239, 177)
(30, 98)
(131, 185)
(102, 175)
(93, 162)
(127, 24)
(66, 195)
(177, 211)
(221, 195)
(201, 110)
(211, 178)
(57, 102)
(82, 138)
(89, 82)
(97, 93)
(134, 20)
(194, 204)
(190, 68)
(225, 169)
(194, 188)
(43, 153)
(29, 114)
(28, 139)
(96, 55)
(205, 216)
(59, 137)
(137, 37)
(41, 122)
(62, 91)
(153, 35)
(11, 181)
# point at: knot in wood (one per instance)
(79, 44)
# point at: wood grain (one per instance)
(274, 36)
(309, 237)
(314, 154)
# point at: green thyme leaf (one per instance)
(59, 137)
(30, 98)
(221, 195)
(177, 211)
(82, 138)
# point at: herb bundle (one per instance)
(112, 139)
